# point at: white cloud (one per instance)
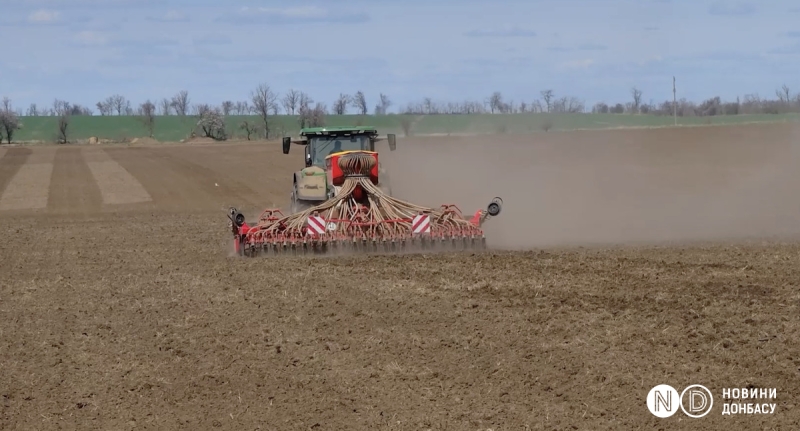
(43, 16)
(293, 15)
(90, 38)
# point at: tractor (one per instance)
(312, 185)
(341, 203)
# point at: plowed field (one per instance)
(622, 260)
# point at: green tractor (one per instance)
(310, 185)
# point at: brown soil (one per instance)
(200, 140)
(144, 141)
(134, 315)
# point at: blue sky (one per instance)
(449, 50)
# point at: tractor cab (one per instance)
(310, 185)
(320, 142)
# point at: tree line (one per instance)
(264, 103)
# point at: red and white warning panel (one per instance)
(421, 224)
(316, 225)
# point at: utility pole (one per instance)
(674, 102)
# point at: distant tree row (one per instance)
(786, 102)
(265, 103)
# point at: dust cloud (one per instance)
(612, 187)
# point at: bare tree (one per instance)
(180, 103)
(340, 105)
(359, 101)
(249, 128)
(290, 101)
(427, 105)
(63, 125)
(318, 115)
(496, 102)
(117, 103)
(547, 96)
(304, 109)
(127, 109)
(199, 108)
(637, 99)
(104, 108)
(600, 108)
(242, 108)
(264, 103)
(147, 115)
(61, 107)
(79, 110)
(9, 121)
(114, 103)
(383, 105)
(33, 111)
(570, 105)
(227, 107)
(783, 94)
(166, 106)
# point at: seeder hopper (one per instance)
(359, 217)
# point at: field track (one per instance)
(123, 309)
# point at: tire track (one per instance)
(29, 187)
(73, 189)
(10, 161)
(226, 190)
(177, 185)
(260, 174)
(117, 185)
(169, 191)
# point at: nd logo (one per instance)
(664, 401)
